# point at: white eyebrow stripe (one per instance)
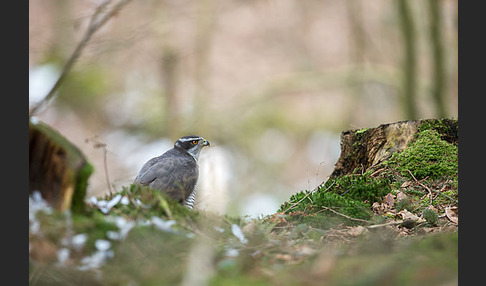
(190, 139)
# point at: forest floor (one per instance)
(138, 237)
(394, 224)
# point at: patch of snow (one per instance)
(62, 255)
(232, 252)
(96, 260)
(102, 244)
(79, 240)
(124, 201)
(236, 230)
(161, 224)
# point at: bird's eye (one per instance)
(194, 142)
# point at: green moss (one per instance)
(447, 128)
(360, 133)
(77, 203)
(350, 195)
(427, 156)
(93, 224)
(155, 203)
(431, 217)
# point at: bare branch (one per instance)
(343, 215)
(430, 191)
(96, 22)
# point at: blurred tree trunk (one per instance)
(62, 37)
(407, 27)
(454, 83)
(204, 27)
(168, 52)
(436, 44)
(57, 168)
(357, 53)
(169, 67)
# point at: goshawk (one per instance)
(176, 171)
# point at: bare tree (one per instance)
(437, 51)
(407, 27)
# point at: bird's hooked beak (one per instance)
(206, 143)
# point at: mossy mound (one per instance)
(424, 170)
(350, 195)
(57, 168)
(153, 202)
(428, 155)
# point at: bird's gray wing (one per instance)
(145, 168)
(157, 170)
(175, 176)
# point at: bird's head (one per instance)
(191, 144)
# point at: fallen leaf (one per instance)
(451, 213)
(405, 184)
(390, 200)
(401, 196)
(283, 257)
(431, 207)
(377, 207)
(408, 215)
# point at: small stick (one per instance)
(430, 191)
(295, 204)
(385, 224)
(343, 215)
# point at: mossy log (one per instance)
(57, 168)
(362, 149)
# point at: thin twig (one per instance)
(98, 144)
(106, 169)
(95, 23)
(430, 191)
(376, 172)
(424, 186)
(343, 215)
(385, 224)
(295, 204)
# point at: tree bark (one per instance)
(363, 149)
(57, 168)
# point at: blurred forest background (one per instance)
(271, 84)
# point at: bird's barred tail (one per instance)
(191, 200)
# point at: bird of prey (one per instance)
(176, 171)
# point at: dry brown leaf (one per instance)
(390, 200)
(408, 215)
(283, 257)
(377, 207)
(405, 184)
(452, 214)
(401, 196)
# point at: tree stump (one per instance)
(57, 168)
(362, 149)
